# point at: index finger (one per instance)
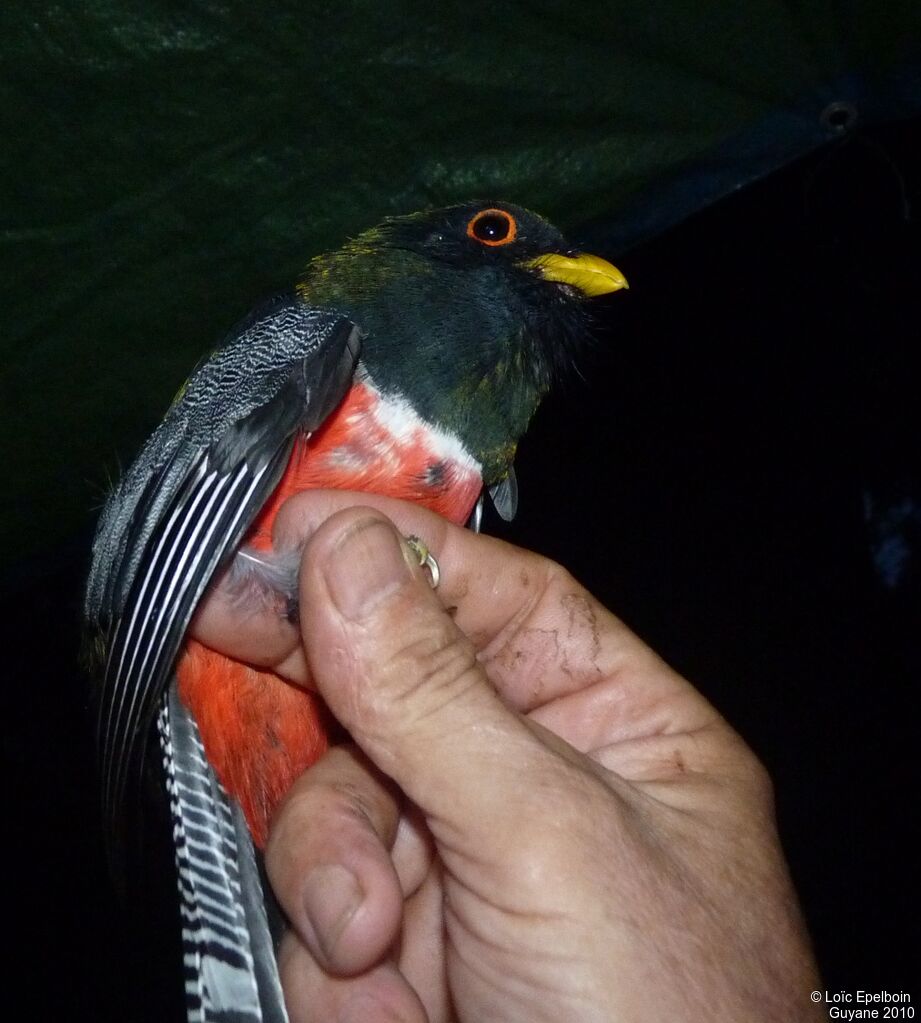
(540, 635)
(485, 583)
(550, 649)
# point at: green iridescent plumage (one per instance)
(468, 333)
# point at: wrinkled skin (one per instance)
(538, 819)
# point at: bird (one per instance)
(407, 363)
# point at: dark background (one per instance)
(749, 398)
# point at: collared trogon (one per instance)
(407, 363)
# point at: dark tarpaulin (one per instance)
(165, 164)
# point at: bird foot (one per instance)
(426, 559)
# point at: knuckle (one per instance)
(438, 663)
(347, 798)
(419, 678)
(356, 806)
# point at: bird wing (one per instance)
(188, 499)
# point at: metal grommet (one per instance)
(839, 117)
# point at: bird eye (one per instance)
(493, 227)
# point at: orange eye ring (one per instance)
(493, 228)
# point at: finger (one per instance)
(538, 632)
(422, 948)
(545, 642)
(485, 582)
(329, 862)
(541, 637)
(400, 675)
(314, 996)
(252, 630)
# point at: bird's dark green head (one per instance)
(470, 312)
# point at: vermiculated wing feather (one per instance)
(284, 349)
(190, 496)
(228, 955)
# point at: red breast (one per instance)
(259, 731)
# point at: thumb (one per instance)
(404, 680)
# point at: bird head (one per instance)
(469, 313)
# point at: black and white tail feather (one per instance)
(227, 945)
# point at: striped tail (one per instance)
(228, 952)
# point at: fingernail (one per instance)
(331, 897)
(365, 566)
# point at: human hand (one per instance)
(539, 820)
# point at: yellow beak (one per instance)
(590, 274)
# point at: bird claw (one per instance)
(426, 559)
